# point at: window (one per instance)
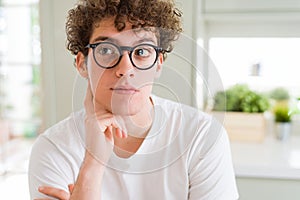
(258, 47)
(262, 63)
(20, 58)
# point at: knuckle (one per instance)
(63, 195)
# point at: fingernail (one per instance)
(41, 188)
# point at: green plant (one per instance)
(254, 102)
(282, 113)
(279, 94)
(240, 98)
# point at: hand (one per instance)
(100, 127)
(56, 193)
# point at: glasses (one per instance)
(108, 55)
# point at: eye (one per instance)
(105, 51)
(142, 51)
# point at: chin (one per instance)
(124, 112)
(125, 109)
(126, 105)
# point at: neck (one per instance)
(139, 125)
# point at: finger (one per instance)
(109, 134)
(119, 132)
(71, 187)
(54, 192)
(104, 123)
(110, 128)
(118, 123)
(124, 134)
(108, 120)
(111, 120)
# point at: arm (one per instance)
(100, 127)
(48, 167)
(87, 185)
(56, 193)
(89, 180)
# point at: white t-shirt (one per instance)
(186, 155)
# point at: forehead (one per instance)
(106, 30)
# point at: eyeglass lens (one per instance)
(108, 55)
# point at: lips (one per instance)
(125, 90)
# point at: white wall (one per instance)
(59, 74)
(57, 70)
(251, 5)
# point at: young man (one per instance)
(128, 143)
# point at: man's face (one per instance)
(123, 89)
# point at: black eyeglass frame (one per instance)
(125, 48)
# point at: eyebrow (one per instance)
(105, 38)
(100, 38)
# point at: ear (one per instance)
(81, 65)
(160, 61)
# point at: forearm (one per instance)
(89, 180)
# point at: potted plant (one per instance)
(280, 94)
(244, 119)
(239, 98)
(283, 118)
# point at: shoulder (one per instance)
(186, 114)
(66, 130)
(73, 122)
(195, 127)
(173, 106)
(61, 138)
(188, 124)
(56, 155)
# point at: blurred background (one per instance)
(237, 59)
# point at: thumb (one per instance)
(71, 187)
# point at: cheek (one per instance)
(145, 78)
(95, 75)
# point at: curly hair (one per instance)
(161, 14)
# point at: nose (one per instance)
(125, 67)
